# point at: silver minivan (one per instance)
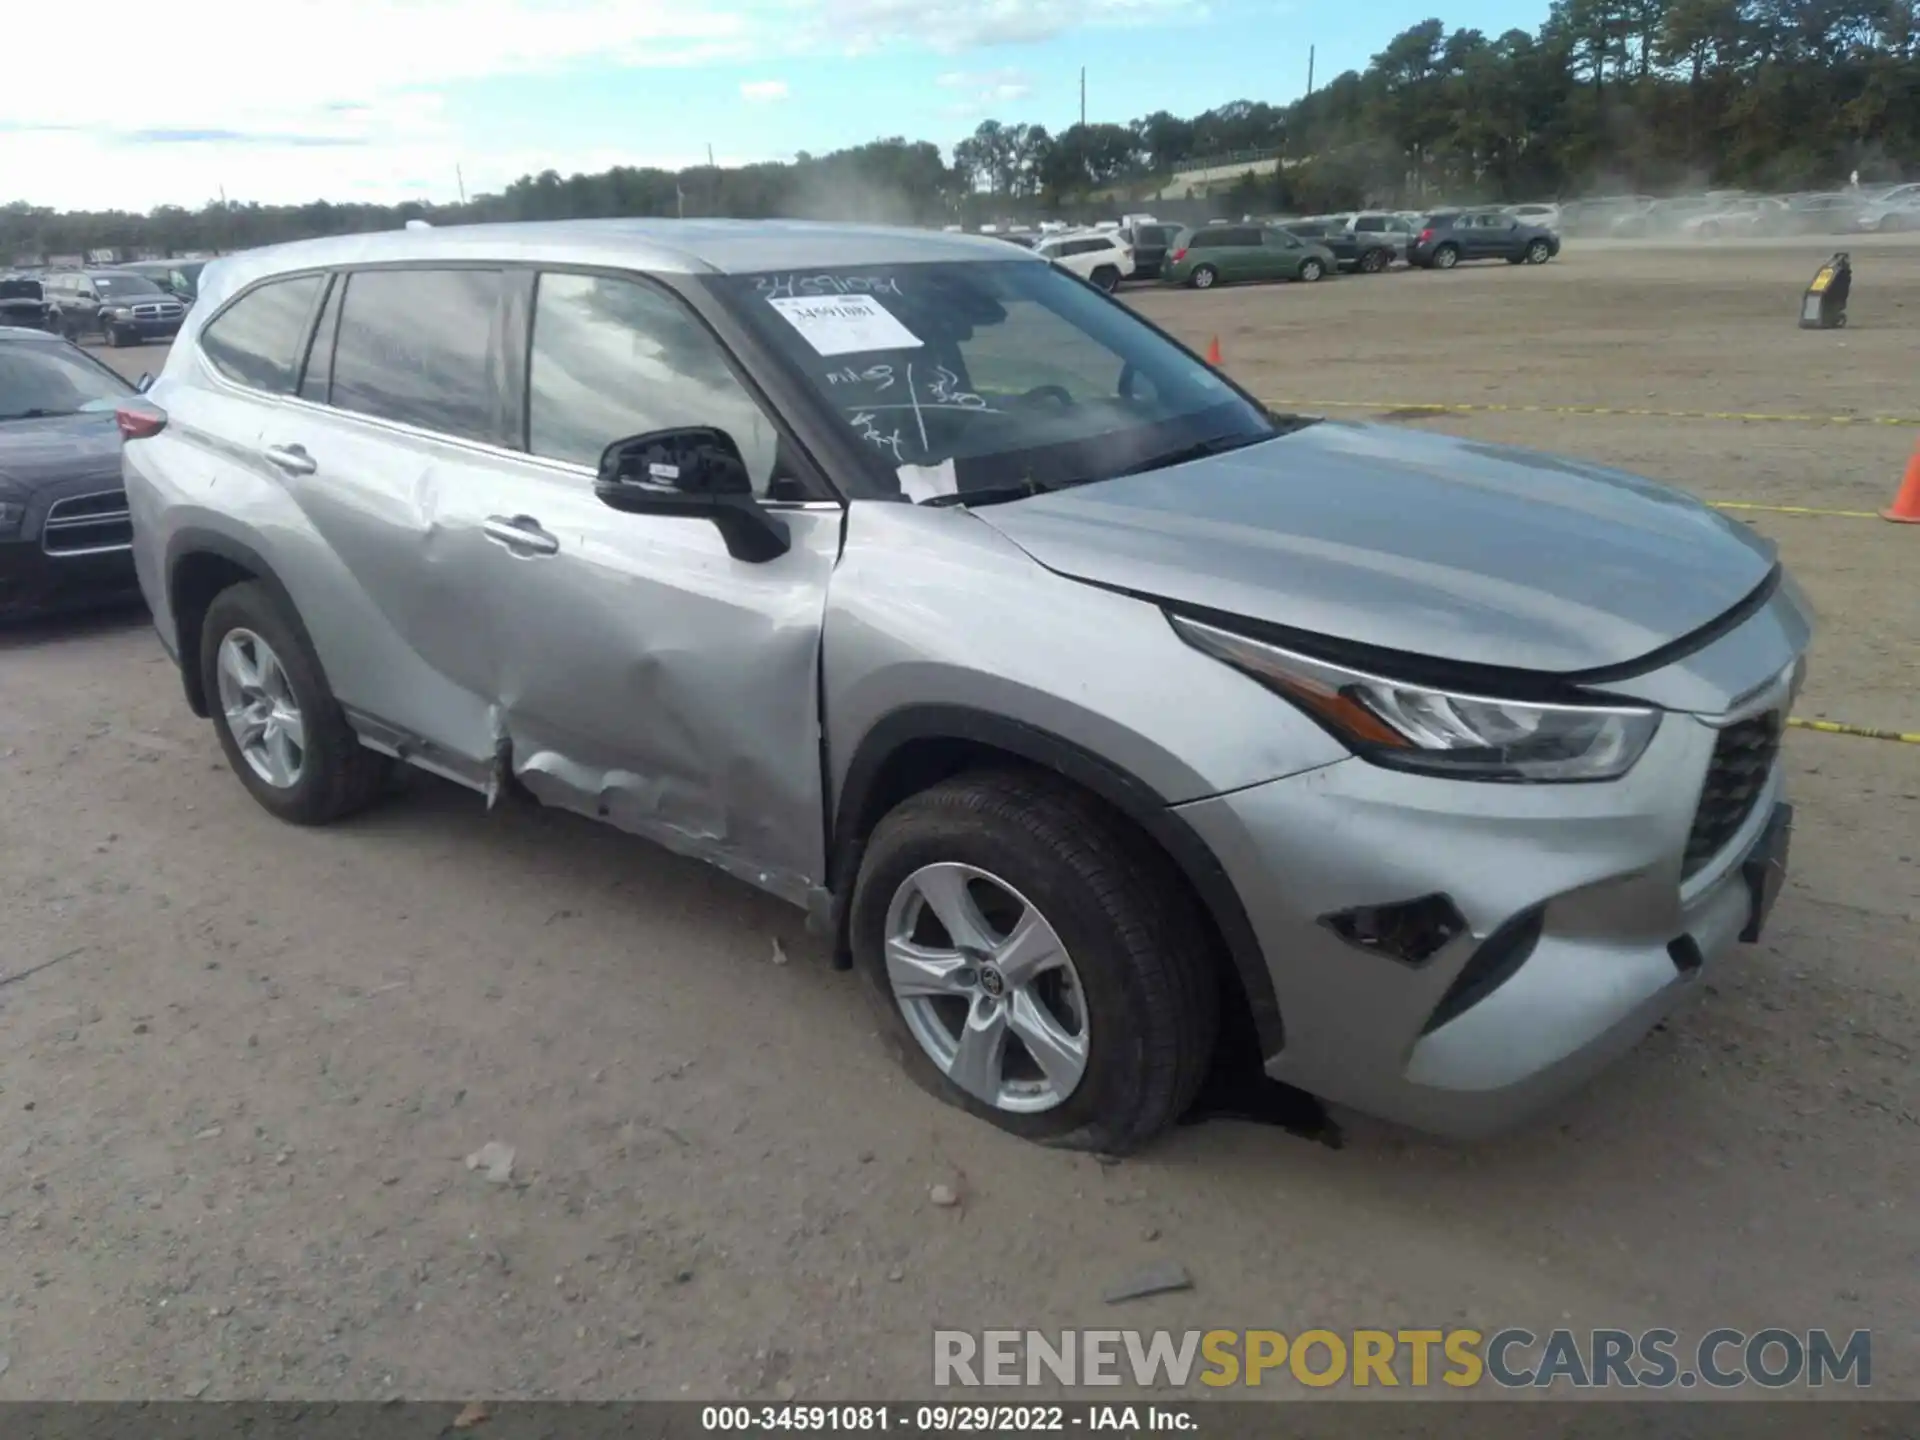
(1102, 717)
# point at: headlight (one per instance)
(11, 514)
(119, 312)
(1440, 732)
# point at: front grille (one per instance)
(159, 310)
(1743, 757)
(87, 524)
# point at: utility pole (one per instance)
(710, 155)
(1309, 69)
(461, 181)
(1083, 97)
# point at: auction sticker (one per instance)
(845, 324)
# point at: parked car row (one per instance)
(136, 303)
(1727, 214)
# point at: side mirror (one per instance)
(694, 472)
(144, 383)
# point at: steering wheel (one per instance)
(1049, 392)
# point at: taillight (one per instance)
(139, 422)
(1425, 235)
(1179, 254)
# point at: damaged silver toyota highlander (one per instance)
(1098, 713)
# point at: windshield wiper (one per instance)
(1199, 450)
(36, 414)
(990, 494)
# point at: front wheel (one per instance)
(110, 335)
(1446, 257)
(1373, 262)
(1034, 962)
(1311, 270)
(1539, 252)
(1203, 277)
(283, 732)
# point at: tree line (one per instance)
(1607, 96)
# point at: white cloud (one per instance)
(342, 97)
(981, 92)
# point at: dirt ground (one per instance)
(238, 1095)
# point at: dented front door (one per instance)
(644, 675)
(648, 679)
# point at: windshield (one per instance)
(125, 285)
(978, 376)
(39, 379)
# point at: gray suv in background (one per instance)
(1095, 711)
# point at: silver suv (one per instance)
(1099, 714)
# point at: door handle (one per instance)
(520, 533)
(291, 458)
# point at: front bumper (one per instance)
(34, 582)
(1591, 873)
(73, 548)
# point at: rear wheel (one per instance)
(1446, 257)
(1373, 262)
(1203, 277)
(283, 732)
(1034, 962)
(1539, 252)
(1107, 278)
(1311, 270)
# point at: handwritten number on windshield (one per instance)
(785, 287)
(887, 440)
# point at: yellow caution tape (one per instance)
(1386, 407)
(1834, 727)
(1794, 510)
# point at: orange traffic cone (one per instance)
(1906, 505)
(1213, 352)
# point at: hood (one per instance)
(142, 297)
(37, 453)
(1423, 544)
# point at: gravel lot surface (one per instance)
(238, 1097)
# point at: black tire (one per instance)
(1204, 277)
(338, 775)
(1136, 937)
(110, 335)
(1374, 261)
(1107, 278)
(1446, 257)
(1311, 270)
(1539, 252)
(1519, 259)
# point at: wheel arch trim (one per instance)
(192, 541)
(851, 822)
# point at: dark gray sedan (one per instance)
(64, 532)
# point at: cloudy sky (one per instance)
(291, 100)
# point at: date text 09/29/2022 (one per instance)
(960, 1419)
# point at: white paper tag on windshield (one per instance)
(923, 482)
(845, 324)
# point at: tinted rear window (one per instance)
(417, 346)
(257, 340)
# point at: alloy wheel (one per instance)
(987, 988)
(260, 710)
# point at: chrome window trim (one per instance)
(480, 448)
